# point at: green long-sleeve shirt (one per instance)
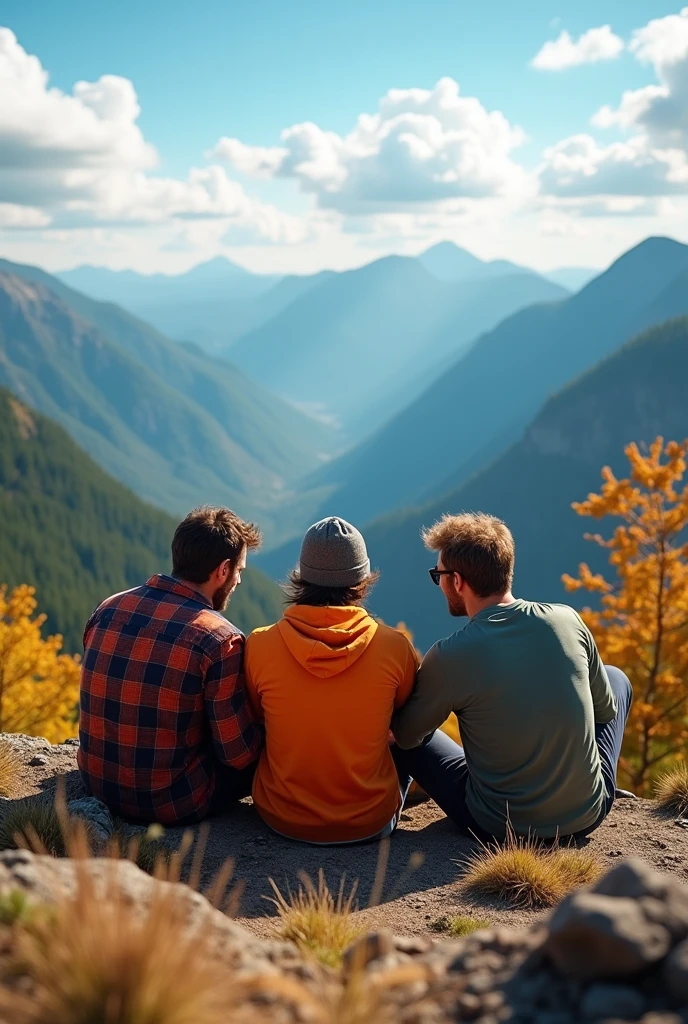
(528, 686)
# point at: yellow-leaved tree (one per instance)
(39, 686)
(642, 623)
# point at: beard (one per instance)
(222, 595)
(457, 606)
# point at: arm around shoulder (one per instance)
(236, 735)
(428, 706)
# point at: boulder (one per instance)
(675, 973)
(604, 1000)
(49, 879)
(594, 936)
(373, 946)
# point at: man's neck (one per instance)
(478, 604)
(206, 589)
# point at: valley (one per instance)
(387, 395)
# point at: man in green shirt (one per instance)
(541, 718)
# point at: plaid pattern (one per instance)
(162, 700)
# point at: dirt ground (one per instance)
(419, 866)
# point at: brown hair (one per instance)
(298, 591)
(206, 537)
(479, 547)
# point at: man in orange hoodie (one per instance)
(326, 680)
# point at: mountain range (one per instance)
(451, 375)
(169, 421)
(362, 344)
(77, 535)
(482, 403)
(217, 302)
(635, 394)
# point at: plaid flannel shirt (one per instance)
(162, 700)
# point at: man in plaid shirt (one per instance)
(166, 731)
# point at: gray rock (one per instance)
(624, 794)
(606, 1000)
(594, 936)
(367, 948)
(672, 911)
(413, 945)
(96, 814)
(633, 878)
(675, 973)
(664, 900)
(50, 879)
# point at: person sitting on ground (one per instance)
(166, 730)
(541, 719)
(325, 680)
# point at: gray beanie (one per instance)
(333, 554)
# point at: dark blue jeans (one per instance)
(439, 766)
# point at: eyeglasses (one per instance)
(436, 573)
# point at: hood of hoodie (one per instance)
(326, 641)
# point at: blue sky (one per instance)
(248, 71)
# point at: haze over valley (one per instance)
(485, 385)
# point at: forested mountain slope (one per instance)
(172, 423)
(634, 395)
(78, 535)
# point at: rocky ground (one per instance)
(424, 857)
(614, 953)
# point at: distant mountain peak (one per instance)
(450, 262)
(448, 246)
(656, 259)
(218, 266)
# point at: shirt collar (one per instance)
(488, 613)
(176, 586)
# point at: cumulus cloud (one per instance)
(579, 166)
(80, 158)
(595, 45)
(660, 111)
(423, 146)
(653, 160)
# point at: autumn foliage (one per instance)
(39, 686)
(642, 622)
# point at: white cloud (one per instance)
(422, 147)
(14, 216)
(75, 159)
(653, 160)
(660, 111)
(579, 166)
(595, 45)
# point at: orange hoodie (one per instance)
(325, 681)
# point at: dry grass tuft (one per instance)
(9, 769)
(525, 873)
(37, 824)
(318, 922)
(671, 789)
(95, 959)
(461, 925)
